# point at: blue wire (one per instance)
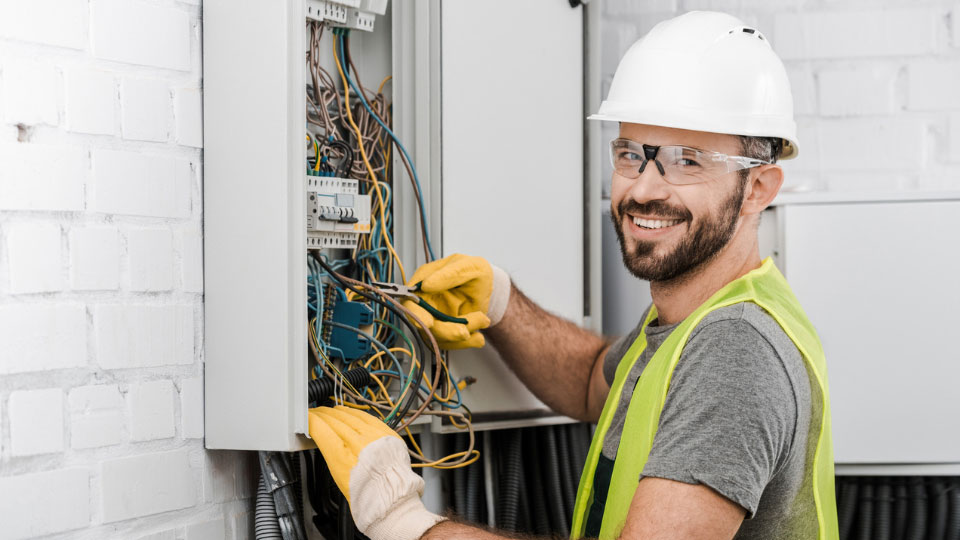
(363, 100)
(373, 340)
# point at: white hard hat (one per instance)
(704, 71)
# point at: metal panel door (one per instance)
(512, 161)
(880, 283)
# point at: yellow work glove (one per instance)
(461, 286)
(370, 464)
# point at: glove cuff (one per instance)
(500, 296)
(407, 520)
(385, 493)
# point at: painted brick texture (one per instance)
(101, 278)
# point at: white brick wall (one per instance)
(36, 422)
(101, 278)
(146, 109)
(96, 416)
(876, 84)
(91, 101)
(151, 410)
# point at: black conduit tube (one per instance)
(581, 445)
(283, 487)
(523, 511)
(881, 510)
(347, 529)
(320, 390)
(460, 492)
(938, 509)
(865, 514)
(510, 481)
(533, 463)
(566, 477)
(917, 524)
(953, 518)
(847, 506)
(900, 510)
(266, 526)
(460, 481)
(475, 497)
(553, 486)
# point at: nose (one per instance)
(649, 186)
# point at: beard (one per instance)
(703, 241)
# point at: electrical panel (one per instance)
(386, 179)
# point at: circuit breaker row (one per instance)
(353, 14)
(337, 214)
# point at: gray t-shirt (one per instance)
(737, 418)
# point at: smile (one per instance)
(655, 223)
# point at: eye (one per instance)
(687, 162)
(627, 155)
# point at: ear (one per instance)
(762, 186)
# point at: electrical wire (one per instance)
(363, 153)
(403, 151)
(409, 373)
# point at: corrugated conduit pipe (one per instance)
(553, 486)
(510, 481)
(953, 520)
(266, 526)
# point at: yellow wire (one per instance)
(386, 151)
(366, 161)
(438, 464)
(383, 83)
(381, 353)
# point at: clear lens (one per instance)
(681, 164)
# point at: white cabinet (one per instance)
(881, 282)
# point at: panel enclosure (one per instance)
(255, 218)
(878, 280)
(254, 235)
(512, 158)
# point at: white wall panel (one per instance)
(879, 281)
(512, 121)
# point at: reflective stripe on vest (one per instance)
(765, 287)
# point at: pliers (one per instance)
(407, 292)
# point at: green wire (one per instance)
(409, 376)
(396, 331)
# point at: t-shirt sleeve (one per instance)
(729, 417)
(615, 354)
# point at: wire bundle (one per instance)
(348, 133)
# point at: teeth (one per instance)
(655, 223)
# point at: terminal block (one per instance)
(322, 10)
(352, 14)
(348, 3)
(337, 214)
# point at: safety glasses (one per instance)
(678, 165)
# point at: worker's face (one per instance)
(666, 230)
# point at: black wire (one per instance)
(414, 332)
(346, 163)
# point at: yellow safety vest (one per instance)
(765, 287)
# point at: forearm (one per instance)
(552, 356)
(452, 528)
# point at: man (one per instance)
(713, 415)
